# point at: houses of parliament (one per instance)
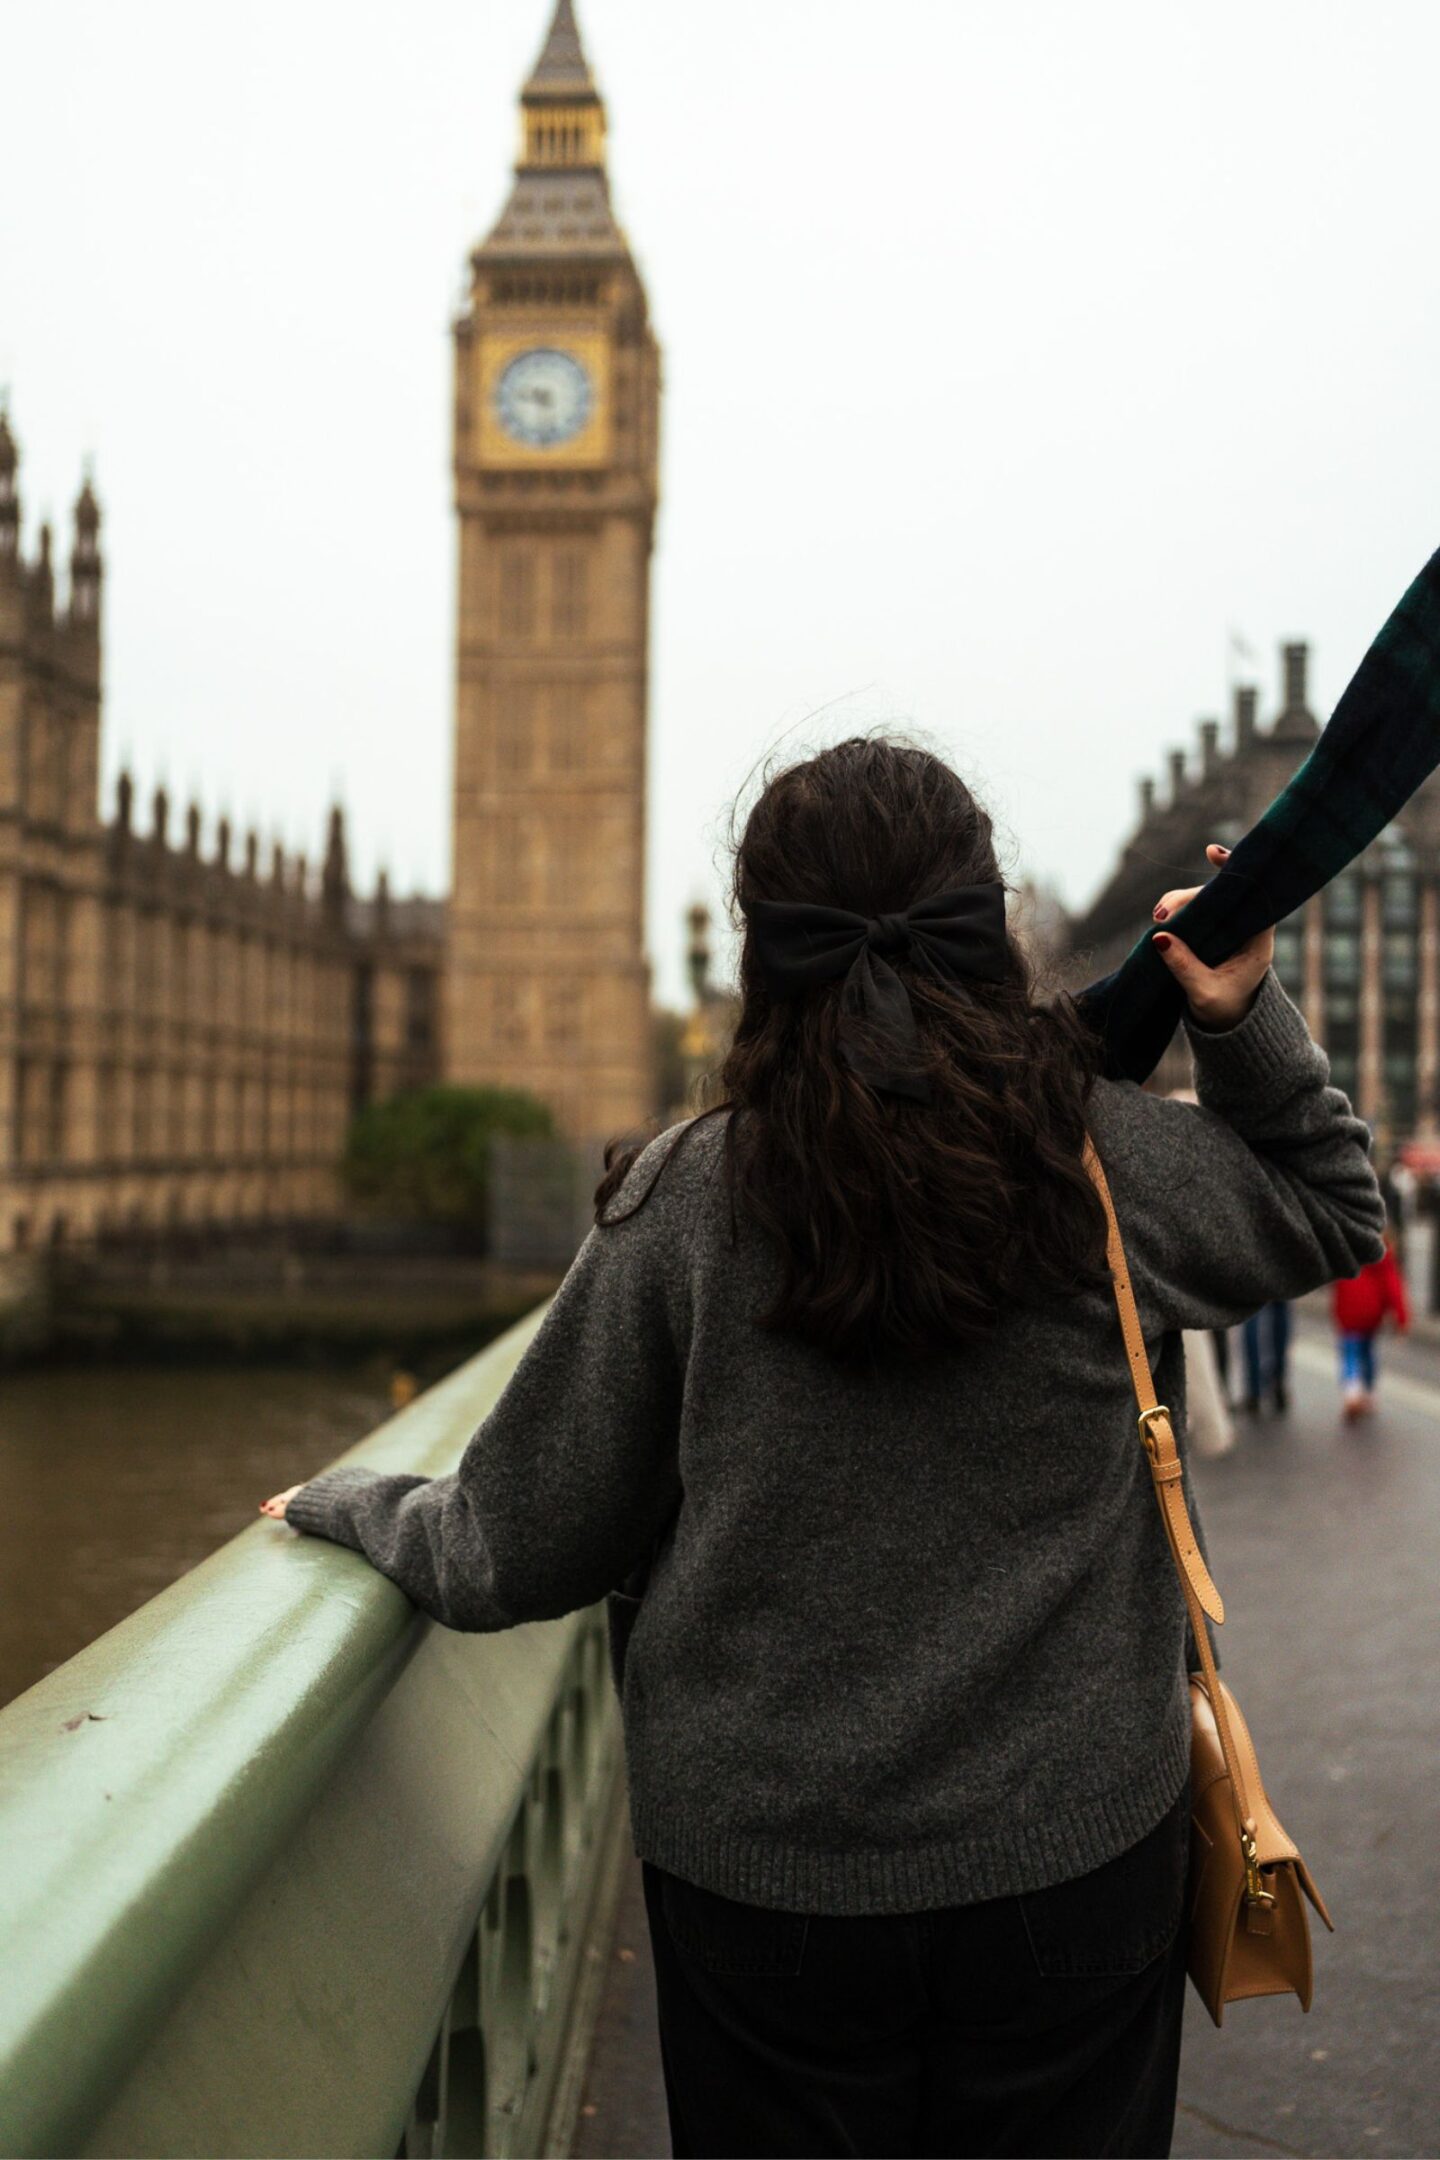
(185, 1030)
(187, 1026)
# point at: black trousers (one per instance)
(1047, 2024)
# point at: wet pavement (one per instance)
(1324, 1539)
(622, 2109)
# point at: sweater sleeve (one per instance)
(566, 1483)
(1262, 1192)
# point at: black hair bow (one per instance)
(799, 944)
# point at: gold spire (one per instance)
(561, 113)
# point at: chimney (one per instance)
(1296, 661)
(124, 801)
(1245, 699)
(1296, 722)
(1209, 747)
(160, 815)
(1177, 774)
(192, 829)
(222, 844)
(1147, 799)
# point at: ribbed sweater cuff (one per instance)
(1259, 1059)
(322, 1508)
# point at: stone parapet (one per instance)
(287, 1868)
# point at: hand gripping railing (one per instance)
(287, 1869)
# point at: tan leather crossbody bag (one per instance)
(1249, 1931)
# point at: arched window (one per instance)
(517, 593)
(569, 593)
(514, 730)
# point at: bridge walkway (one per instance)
(284, 1869)
(1324, 1538)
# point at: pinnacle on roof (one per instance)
(87, 511)
(562, 69)
(336, 872)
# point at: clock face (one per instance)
(543, 397)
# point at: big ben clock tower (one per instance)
(557, 381)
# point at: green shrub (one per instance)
(424, 1156)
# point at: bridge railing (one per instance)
(287, 1869)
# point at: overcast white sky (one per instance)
(1015, 351)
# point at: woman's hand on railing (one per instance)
(276, 1507)
(1218, 997)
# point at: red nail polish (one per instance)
(1162, 940)
(1161, 913)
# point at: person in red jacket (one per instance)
(1360, 1305)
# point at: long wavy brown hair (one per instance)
(902, 1228)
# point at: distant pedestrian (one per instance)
(1267, 1356)
(1401, 1189)
(1212, 1429)
(1220, 1339)
(1207, 1370)
(834, 1403)
(1360, 1305)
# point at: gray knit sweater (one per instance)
(910, 1640)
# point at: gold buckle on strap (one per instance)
(1156, 1410)
(1255, 1891)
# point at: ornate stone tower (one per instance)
(557, 382)
(50, 842)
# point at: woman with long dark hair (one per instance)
(834, 1401)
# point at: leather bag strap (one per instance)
(1157, 1437)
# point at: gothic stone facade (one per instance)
(182, 1037)
(555, 450)
(1362, 959)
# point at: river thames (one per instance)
(116, 1480)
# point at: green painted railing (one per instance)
(286, 1869)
